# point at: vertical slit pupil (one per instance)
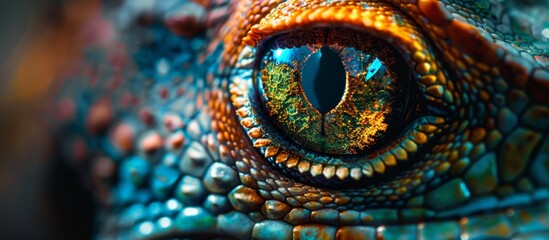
(324, 79)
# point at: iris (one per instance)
(331, 97)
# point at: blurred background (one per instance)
(39, 197)
(42, 41)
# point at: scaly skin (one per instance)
(174, 146)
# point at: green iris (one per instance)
(335, 99)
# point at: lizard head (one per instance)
(429, 119)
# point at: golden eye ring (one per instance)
(397, 31)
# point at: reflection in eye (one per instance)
(335, 98)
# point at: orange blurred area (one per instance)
(48, 43)
(38, 54)
(41, 40)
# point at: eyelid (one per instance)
(378, 19)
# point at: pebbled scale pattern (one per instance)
(158, 127)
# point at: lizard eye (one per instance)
(353, 101)
(335, 92)
(330, 105)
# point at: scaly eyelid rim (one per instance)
(395, 28)
(372, 20)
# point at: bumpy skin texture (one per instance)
(161, 124)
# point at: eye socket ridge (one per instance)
(296, 160)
